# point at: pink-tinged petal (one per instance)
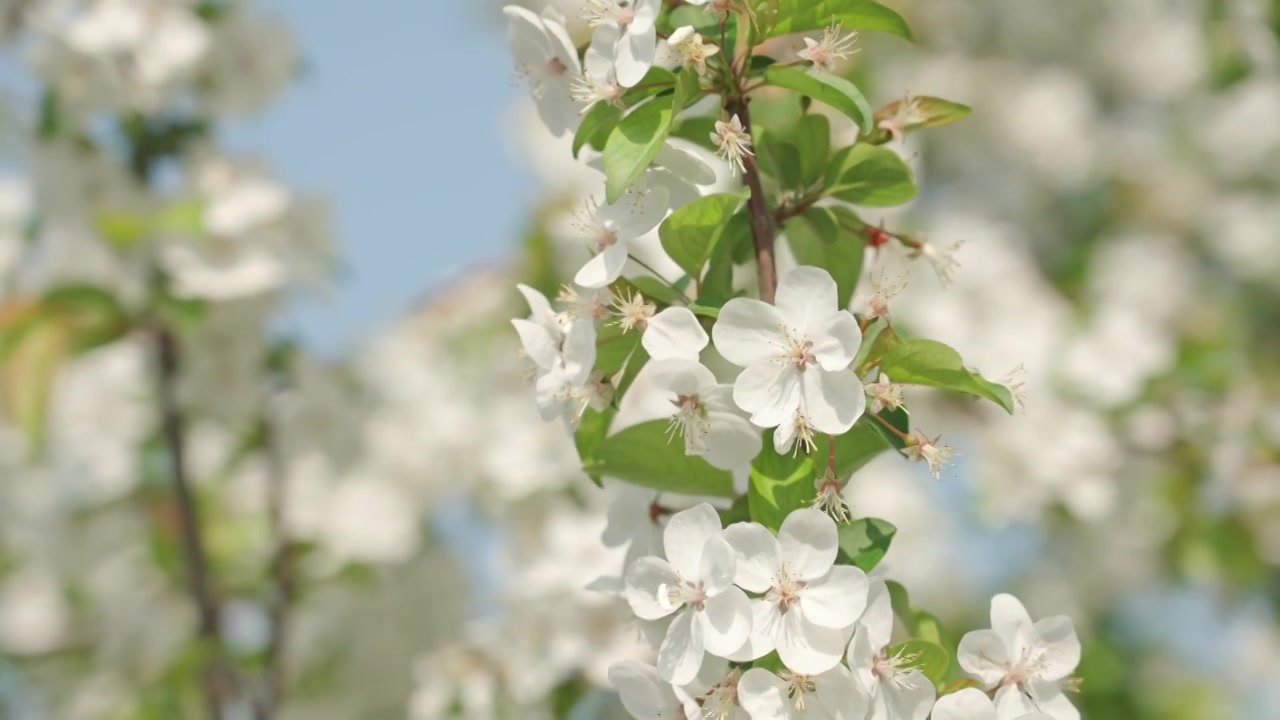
(967, 704)
(1009, 619)
(909, 697)
(605, 267)
(764, 695)
(1059, 648)
(732, 441)
(716, 568)
(769, 392)
(984, 654)
(748, 331)
(687, 533)
(636, 51)
(726, 622)
(681, 652)
(674, 333)
(838, 600)
(645, 584)
(878, 617)
(807, 648)
(833, 401)
(766, 620)
(806, 297)
(538, 343)
(836, 340)
(809, 542)
(562, 46)
(758, 553)
(841, 694)
(645, 695)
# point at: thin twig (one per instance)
(762, 230)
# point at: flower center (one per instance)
(796, 351)
(720, 701)
(689, 422)
(786, 592)
(556, 66)
(683, 593)
(889, 669)
(797, 687)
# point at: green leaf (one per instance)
(816, 239)
(718, 280)
(779, 485)
(596, 126)
(613, 347)
(813, 142)
(806, 15)
(928, 628)
(763, 15)
(591, 431)
(864, 542)
(899, 419)
(696, 129)
(27, 374)
(634, 143)
(870, 175)
(650, 287)
(739, 511)
(643, 455)
(93, 316)
(901, 603)
(655, 82)
(707, 24)
(708, 306)
(824, 87)
(779, 160)
(635, 362)
(929, 658)
(689, 235)
(928, 362)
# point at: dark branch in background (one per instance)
(284, 577)
(217, 678)
(762, 230)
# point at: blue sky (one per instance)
(397, 119)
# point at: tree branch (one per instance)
(762, 229)
(217, 678)
(282, 568)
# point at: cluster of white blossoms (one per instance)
(725, 600)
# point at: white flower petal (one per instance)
(809, 542)
(758, 553)
(732, 441)
(770, 392)
(1059, 646)
(604, 267)
(598, 60)
(984, 654)
(835, 341)
(764, 695)
(1051, 702)
(910, 697)
(643, 584)
(967, 704)
(833, 401)
(578, 351)
(636, 51)
(680, 655)
(748, 331)
(806, 298)
(1010, 620)
(539, 307)
(837, 600)
(538, 343)
(877, 619)
(645, 695)
(841, 695)
(726, 621)
(638, 213)
(763, 638)
(674, 333)
(687, 533)
(807, 648)
(716, 568)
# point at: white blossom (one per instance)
(796, 356)
(733, 143)
(695, 586)
(809, 602)
(632, 23)
(973, 704)
(611, 228)
(830, 695)
(898, 691)
(1026, 662)
(546, 56)
(563, 350)
(835, 46)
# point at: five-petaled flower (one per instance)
(796, 356)
(733, 143)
